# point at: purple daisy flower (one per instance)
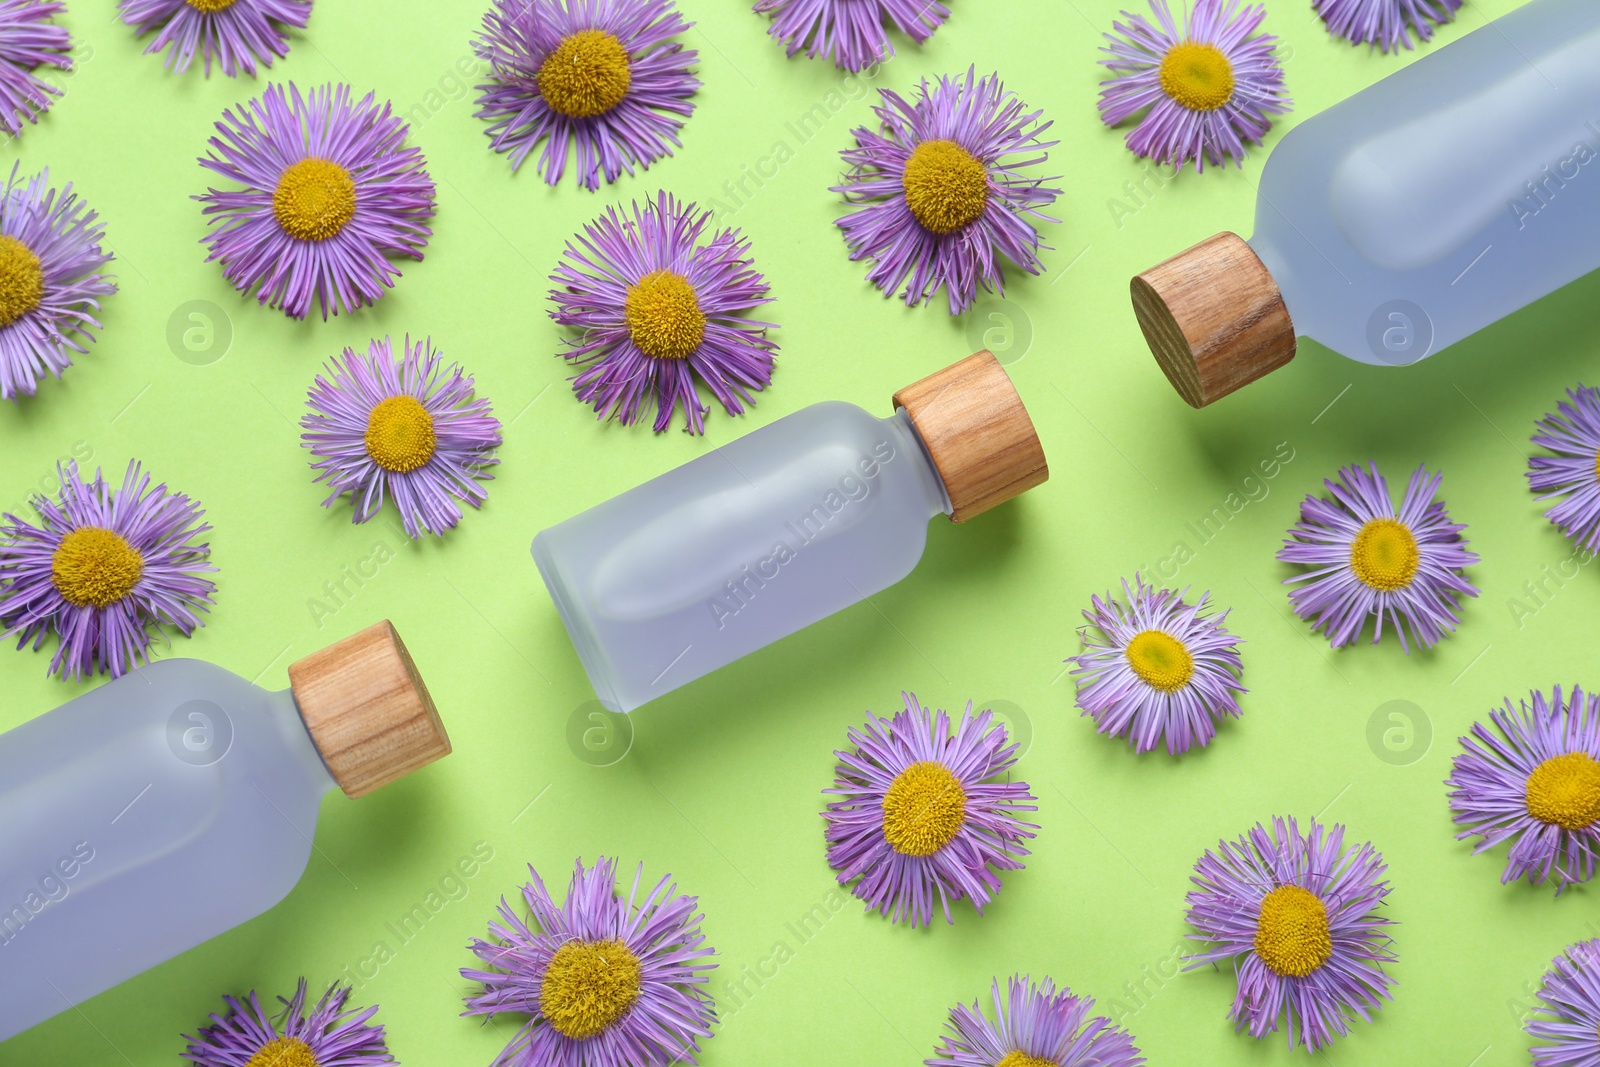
(50, 281)
(1155, 666)
(28, 40)
(1205, 89)
(1531, 776)
(104, 570)
(922, 812)
(237, 33)
(1034, 1026)
(850, 32)
(660, 311)
(607, 981)
(1569, 999)
(330, 1036)
(945, 188)
(1367, 560)
(1573, 473)
(1296, 914)
(604, 76)
(330, 192)
(409, 428)
(1385, 23)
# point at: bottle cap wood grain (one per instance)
(977, 433)
(1214, 318)
(367, 709)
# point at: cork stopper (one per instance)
(367, 710)
(1214, 318)
(977, 433)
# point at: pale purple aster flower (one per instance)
(1385, 23)
(922, 812)
(409, 428)
(28, 40)
(850, 32)
(1034, 1025)
(1297, 917)
(238, 34)
(1573, 473)
(329, 193)
(661, 307)
(50, 280)
(1368, 560)
(603, 77)
(1155, 666)
(1204, 90)
(104, 570)
(945, 188)
(1569, 1006)
(1531, 776)
(327, 1036)
(607, 980)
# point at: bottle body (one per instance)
(739, 547)
(141, 819)
(1447, 195)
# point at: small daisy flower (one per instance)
(1569, 1006)
(1531, 776)
(603, 77)
(922, 812)
(329, 192)
(1155, 666)
(1296, 915)
(1034, 1026)
(945, 188)
(850, 32)
(1385, 23)
(1572, 475)
(104, 570)
(607, 980)
(327, 1036)
(50, 281)
(1205, 90)
(28, 40)
(237, 33)
(661, 307)
(1367, 560)
(409, 428)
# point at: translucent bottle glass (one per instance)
(178, 801)
(778, 529)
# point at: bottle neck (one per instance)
(297, 741)
(907, 442)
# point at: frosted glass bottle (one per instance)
(782, 527)
(174, 803)
(1425, 207)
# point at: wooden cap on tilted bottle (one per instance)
(977, 433)
(1214, 318)
(367, 710)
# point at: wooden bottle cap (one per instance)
(1214, 318)
(367, 709)
(977, 433)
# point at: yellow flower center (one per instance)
(1160, 660)
(315, 199)
(282, 1051)
(946, 186)
(207, 7)
(1384, 555)
(21, 280)
(587, 75)
(1564, 791)
(93, 567)
(400, 435)
(663, 315)
(1292, 936)
(1018, 1058)
(1197, 75)
(588, 986)
(924, 808)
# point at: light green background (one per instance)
(723, 782)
